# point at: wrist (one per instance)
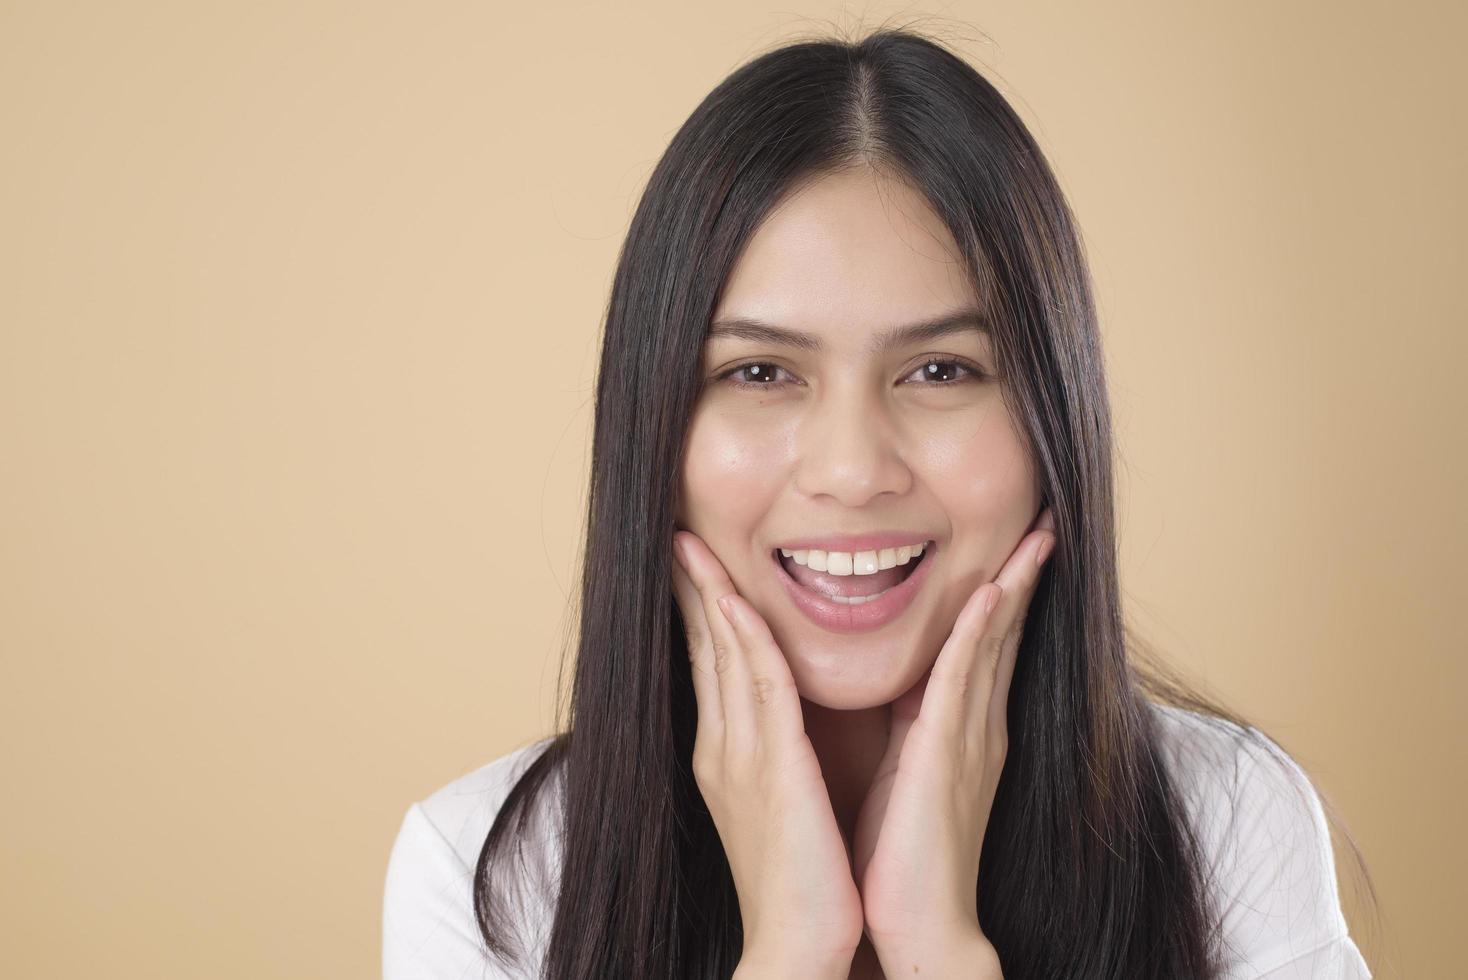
(773, 965)
(969, 957)
(986, 960)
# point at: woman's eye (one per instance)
(760, 371)
(937, 372)
(941, 371)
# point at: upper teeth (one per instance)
(855, 562)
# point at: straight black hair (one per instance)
(1091, 869)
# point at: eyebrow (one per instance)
(758, 331)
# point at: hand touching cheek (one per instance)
(920, 830)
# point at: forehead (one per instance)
(846, 256)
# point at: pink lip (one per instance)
(839, 618)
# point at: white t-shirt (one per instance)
(1273, 860)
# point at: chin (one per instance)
(845, 683)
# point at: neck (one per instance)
(848, 744)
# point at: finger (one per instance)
(700, 653)
(730, 663)
(775, 695)
(972, 662)
(1019, 578)
(949, 690)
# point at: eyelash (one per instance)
(975, 373)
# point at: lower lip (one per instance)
(840, 618)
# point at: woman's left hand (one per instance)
(920, 831)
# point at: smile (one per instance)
(842, 603)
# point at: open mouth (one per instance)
(854, 603)
(851, 590)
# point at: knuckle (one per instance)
(993, 649)
(765, 690)
(722, 656)
(960, 682)
(994, 642)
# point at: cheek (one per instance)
(982, 479)
(731, 472)
(982, 476)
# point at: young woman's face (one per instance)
(852, 438)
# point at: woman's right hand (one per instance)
(759, 775)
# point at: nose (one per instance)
(850, 450)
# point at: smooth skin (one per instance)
(842, 434)
(921, 828)
(762, 782)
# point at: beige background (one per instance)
(298, 327)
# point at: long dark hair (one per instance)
(1090, 866)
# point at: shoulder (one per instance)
(462, 810)
(1263, 833)
(430, 928)
(1242, 789)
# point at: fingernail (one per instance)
(993, 599)
(680, 552)
(727, 606)
(1043, 551)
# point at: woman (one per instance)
(851, 390)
